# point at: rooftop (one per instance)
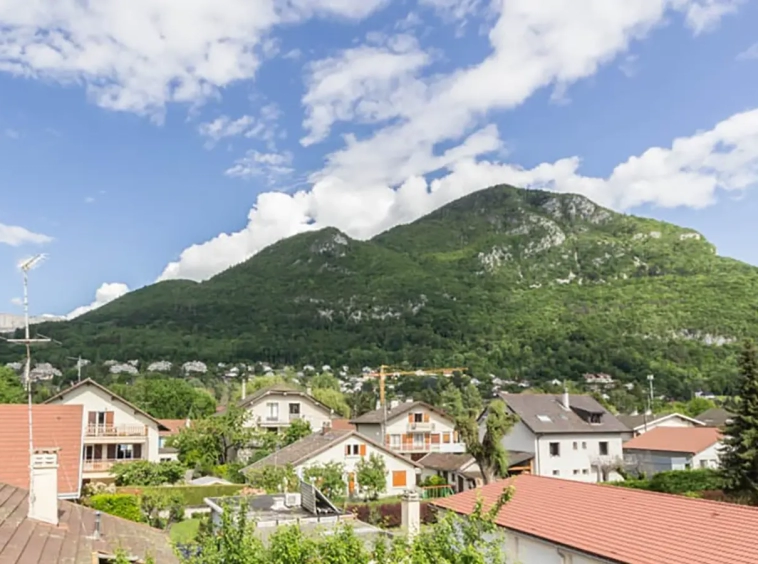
(649, 529)
(58, 426)
(640, 419)
(72, 541)
(284, 389)
(378, 415)
(690, 440)
(173, 426)
(449, 462)
(715, 417)
(545, 413)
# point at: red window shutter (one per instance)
(347, 450)
(363, 450)
(410, 418)
(426, 418)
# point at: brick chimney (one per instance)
(410, 513)
(43, 488)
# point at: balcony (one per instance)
(427, 447)
(104, 464)
(115, 432)
(278, 420)
(418, 426)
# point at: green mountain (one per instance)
(521, 283)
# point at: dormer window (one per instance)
(595, 418)
(418, 417)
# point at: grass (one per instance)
(185, 531)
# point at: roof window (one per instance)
(544, 418)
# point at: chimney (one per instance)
(326, 427)
(43, 488)
(410, 511)
(566, 403)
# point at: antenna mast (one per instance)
(27, 341)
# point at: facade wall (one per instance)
(579, 456)
(653, 462)
(709, 458)
(520, 438)
(528, 550)
(393, 463)
(437, 434)
(94, 399)
(371, 430)
(309, 410)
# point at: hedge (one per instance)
(678, 481)
(388, 515)
(193, 495)
(119, 504)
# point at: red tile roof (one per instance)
(676, 439)
(58, 426)
(342, 425)
(622, 525)
(173, 426)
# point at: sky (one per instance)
(154, 139)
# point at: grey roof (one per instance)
(544, 413)
(315, 443)
(378, 416)
(286, 389)
(27, 541)
(715, 417)
(449, 462)
(634, 421)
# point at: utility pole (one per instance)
(650, 379)
(78, 366)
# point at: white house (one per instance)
(463, 473)
(639, 423)
(412, 428)
(277, 406)
(115, 431)
(348, 448)
(673, 448)
(549, 521)
(570, 436)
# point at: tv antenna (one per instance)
(26, 266)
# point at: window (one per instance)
(418, 440)
(556, 473)
(576, 445)
(352, 450)
(446, 438)
(399, 479)
(544, 418)
(555, 449)
(124, 452)
(418, 417)
(395, 441)
(603, 448)
(596, 418)
(272, 411)
(585, 471)
(584, 445)
(294, 409)
(576, 472)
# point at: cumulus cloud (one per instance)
(271, 166)
(688, 173)
(749, 53)
(264, 127)
(16, 236)
(106, 293)
(140, 55)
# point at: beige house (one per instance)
(348, 448)
(276, 407)
(639, 423)
(115, 431)
(673, 448)
(412, 428)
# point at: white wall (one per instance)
(520, 438)
(94, 399)
(371, 430)
(309, 410)
(709, 458)
(399, 425)
(529, 550)
(336, 453)
(653, 462)
(578, 454)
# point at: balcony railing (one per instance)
(105, 464)
(116, 430)
(427, 447)
(278, 419)
(421, 426)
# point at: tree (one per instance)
(154, 502)
(214, 440)
(274, 479)
(329, 478)
(332, 399)
(146, 473)
(11, 387)
(371, 475)
(167, 398)
(739, 457)
(298, 429)
(488, 451)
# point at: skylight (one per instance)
(544, 418)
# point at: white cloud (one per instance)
(224, 126)
(264, 127)
(689, 173)
(360, 85)
(17, 301)
(704, 15)
(139, 55)
(749, 53)
(16, 236)
(89, 200)
(454, 10)
(106, 293)
(255, 164)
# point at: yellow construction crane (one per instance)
(385, 371)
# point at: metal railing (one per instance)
(116, 430)
(426, 447)
(104, 464)
(421, 426)
(436, 492)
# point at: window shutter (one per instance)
(109, 418)
(347, 450)
(363, 450)
(398, 479)
(426, 418)
(410, 418)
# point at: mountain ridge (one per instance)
(517, 282)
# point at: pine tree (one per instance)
(739, 458)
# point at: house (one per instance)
(461, 470)
(277, 406)
(38, 528)
(640, 423)
(571, 436)
(413, 428)
(58, 426)
(308, 508)
(115, 431)
(673, 448)
(550, 521)
(715, 417)
(172, 428)
(348, 448)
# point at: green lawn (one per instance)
(184, 531)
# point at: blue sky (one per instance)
(171, 142)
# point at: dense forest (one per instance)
(522, 284)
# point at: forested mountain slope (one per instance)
(522, 283)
